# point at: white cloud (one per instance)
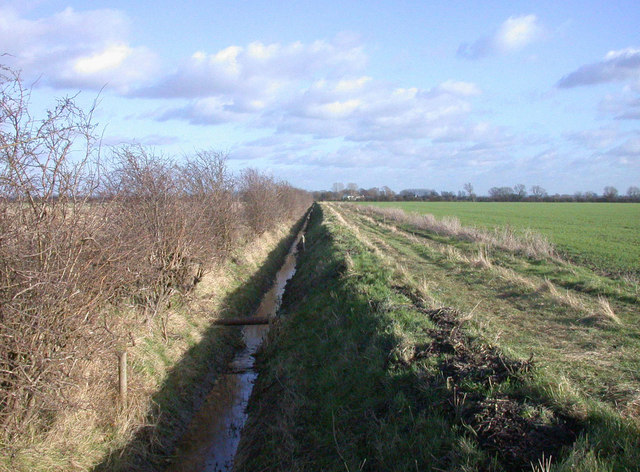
(336, 109)
(514, 34)
(205, 111)
(148, 140)
(517, 32)
(258, 70)
(110, 58)
(352, 108)
(402, 155)
(312, 89)
(350, 85)
(609, 146)
(597, 139)
(377, 112)
(464, 89)
(73, 49)
(621, 65)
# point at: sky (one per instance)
(404, 94)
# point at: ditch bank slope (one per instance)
(358, 374)
(235, 293)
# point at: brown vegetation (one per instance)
(527, 242)
(78, 239)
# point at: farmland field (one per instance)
(403, 345)
(605, 236)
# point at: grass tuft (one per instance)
(607, 311)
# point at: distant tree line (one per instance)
(517, 193)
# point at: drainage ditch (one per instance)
(213, 436)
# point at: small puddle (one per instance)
(210, 443)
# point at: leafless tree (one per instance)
(501, 193)
(48, 257)
(610, 193)
(520, 191)
(538, 192)
(210, 188)
(352, 188)
(260, 199)
(387, 192)
(469, 189)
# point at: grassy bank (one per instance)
(379, 363)
(600, 235)
(173, 359)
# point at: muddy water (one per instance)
(211, 442)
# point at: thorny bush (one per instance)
(78, 238)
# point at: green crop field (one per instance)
(605, 236)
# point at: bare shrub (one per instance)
(292, 201)
(260, 198)
(171, 222)
(210, 190)
(150, 223)
(267, 201)
(49, 264)
(78, 242)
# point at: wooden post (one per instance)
(122, 376)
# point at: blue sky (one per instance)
(399, 93)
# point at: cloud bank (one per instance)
(355, 108)
(257, 69)
(73, 49)
(624, 106)
(616, 66)
(318, 103)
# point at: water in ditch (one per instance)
(212, 439)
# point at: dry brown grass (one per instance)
(482, 259)
(515, 278)
(426, 294)
(601, 311)
(606, 310)
(565, 298)
(528, 243)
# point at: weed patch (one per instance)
(483, 388)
